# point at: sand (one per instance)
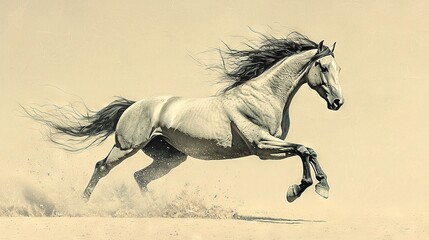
(195, 229)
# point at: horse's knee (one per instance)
(313, 153)
(302, 150)
(307, 151)
(141, 182)
(138, 176)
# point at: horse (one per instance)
(248, 117)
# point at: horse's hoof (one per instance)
(85, 197)
(322, 190)
(292, 193)
(143, 190)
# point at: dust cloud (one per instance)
(23, 199)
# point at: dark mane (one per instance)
(239, 66)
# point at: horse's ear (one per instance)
(320, 47)
(333, 47)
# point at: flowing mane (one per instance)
(239, 66)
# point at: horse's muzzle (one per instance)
(336, 104)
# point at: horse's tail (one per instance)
(75, 131)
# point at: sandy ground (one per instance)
(248, 228)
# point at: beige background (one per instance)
(374, 149)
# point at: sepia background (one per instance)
(374, 149)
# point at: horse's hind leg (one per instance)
(103, 167)
(165, 158)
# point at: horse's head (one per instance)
(323, 78)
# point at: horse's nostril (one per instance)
(337, 102)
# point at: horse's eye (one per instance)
(324, 69)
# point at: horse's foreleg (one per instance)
(322, 187)
(295, 190)
(103, 167)
(277, 150)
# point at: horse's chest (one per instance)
(270, 119)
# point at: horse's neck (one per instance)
(276, 88)
(284, 79)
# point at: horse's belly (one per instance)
(206, 149)
(200, 128)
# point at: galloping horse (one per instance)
(249, 117)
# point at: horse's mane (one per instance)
(239, 66)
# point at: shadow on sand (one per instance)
(275, 220)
